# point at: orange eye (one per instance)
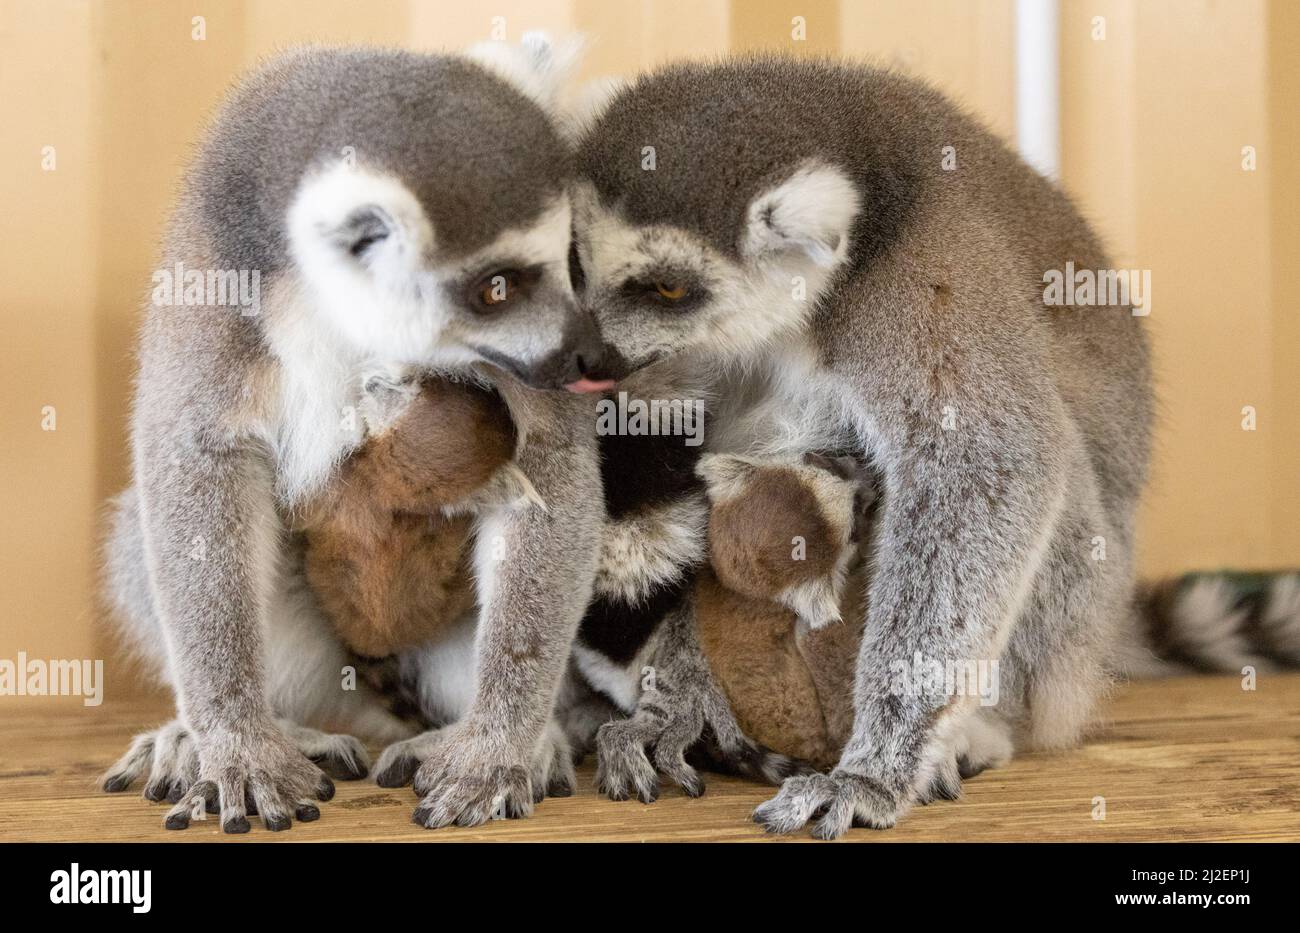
(497, 289)
(670, 292)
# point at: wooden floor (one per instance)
(1188, 759)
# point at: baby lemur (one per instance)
(387, 546)
(384, 555)
(400, 209)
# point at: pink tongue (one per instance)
(591, 385)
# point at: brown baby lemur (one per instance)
(387, 552)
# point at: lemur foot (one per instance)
(983, 741)
(836, 801)
(623, 766)
(684, 710)
(261, 772)
(166, 756)
(465, 781)
(342, 757)
(398, 762)
(551, 774)
(169, 760)
(944, 784)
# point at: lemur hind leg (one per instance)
(680, 705)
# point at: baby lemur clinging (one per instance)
(388, 543)
(387, 551)
(385, 545)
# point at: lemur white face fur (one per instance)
(395, 288)
(658, 289)
(370, 258)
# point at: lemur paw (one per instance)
(262, 773)
(836, 801)
(166, 756)
(342, 757)
(398, 762)
(552, 772)
(464, 781)
(944, 784)
(169, 760)
(624, 767)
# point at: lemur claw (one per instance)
(835, 801)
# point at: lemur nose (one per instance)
(589, 360)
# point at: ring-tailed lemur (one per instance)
(844, 242)
(399, 209)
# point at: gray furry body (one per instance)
(380, 194)
(825, 252)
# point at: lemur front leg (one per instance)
(213, 539)
(536, 567)
(968, 516)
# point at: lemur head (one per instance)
(432, 223)
(700, 224)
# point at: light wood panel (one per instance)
(48, 290)
(1190, 759)
(964, 48)
(1155, 116)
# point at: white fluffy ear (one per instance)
(349, 218)
(536, 66)
(812, 211)
(386, 393)
(724, 475)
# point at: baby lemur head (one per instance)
(434, 441)
(419, 202)
(787, 531)
(436, 445)
(718, 203)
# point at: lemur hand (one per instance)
(468, 778)
(258, 770)
(551, 774)
(846, 797)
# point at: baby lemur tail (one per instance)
(1221, 621)
(746, 758)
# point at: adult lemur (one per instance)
(401, 210)
(867, 255)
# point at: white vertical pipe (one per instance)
(1038, 84)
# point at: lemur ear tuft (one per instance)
(812, 211)
(537, 67)
(364, 227)
(351, 213)
(724, 474)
